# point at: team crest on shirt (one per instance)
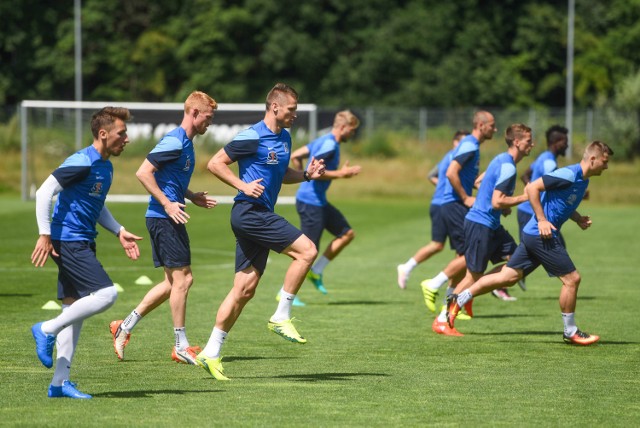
(187, 165)
(96, 189)
(572, 199)
(272, 158)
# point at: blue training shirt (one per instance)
(467, 154)
(261, 154)
(500, 175)
(443, 165)
(315, 192)
(544, 164)
(85, 179)
(564, 190)
(174, 158)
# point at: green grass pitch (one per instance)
(371, 359)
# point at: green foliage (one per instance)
(357, 53)
(623, 117)
(378, 145)
(10, 135)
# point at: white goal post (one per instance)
(52, 130)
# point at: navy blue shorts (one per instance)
(257, 231)
(523, 219)
(79, 271)
(483, 244)
(314, 220)
(453, 214)
(169, 243)
(438, 226)
(535, 251)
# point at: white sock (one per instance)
(214, 345)
(438, 281)
(320, 264)
(181, 338)
(464, 297)
(409, 265)
(283, 312)
(443, 314)
(130, 321)
(569, 321)
(82, 309)
(66, 342)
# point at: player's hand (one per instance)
(316, 168)
(469, 201)
(506, 212)
(176, 213)
(546, 229)
(349, 171)
(128, 242)
(253, 189)
(41, 252)
(202, 200)
(584, 222)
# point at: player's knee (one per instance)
(350, 235)
(188, 281)
(438, 246)
(573, 279)
(106, 297)
(309, 252)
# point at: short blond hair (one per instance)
(597, 149)
(346, 117)
(199, 100)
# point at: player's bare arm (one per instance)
(201, 199)
(534, 190)
(583, 221)
(345, 172)
(218, 165)
(453, 174)
(501, 201)
(298, 157)
(174, 210)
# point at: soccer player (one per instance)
(563, 190)
(165, 174)
(485, 238)
(439, 231)
(456, 201)
(263, 153)
(81, 183)
(547, 161)
(316, 213)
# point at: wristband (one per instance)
(306, 177)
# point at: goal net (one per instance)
(53, 130)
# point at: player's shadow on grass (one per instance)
(360, 302)
(500, 316)
(518, 333)
(150, 393)
(324, 377)
(231, 359)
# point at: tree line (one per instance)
(405, 53)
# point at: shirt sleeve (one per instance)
(167, 150)
(44, 199)
(107, 221)
(245, 144)
(559, 179)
